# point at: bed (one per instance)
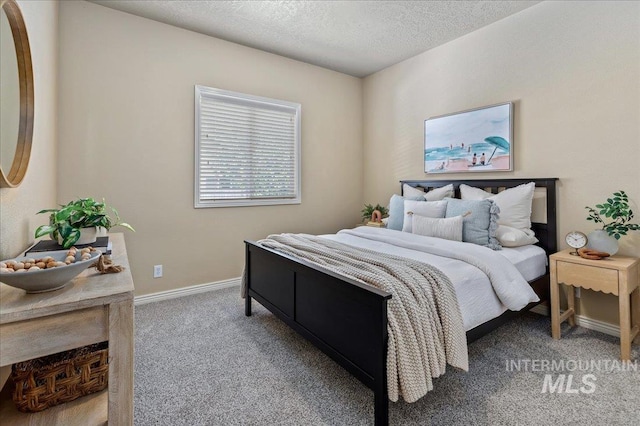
(348, 320)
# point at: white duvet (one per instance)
(486, 282)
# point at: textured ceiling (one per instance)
(353, 37)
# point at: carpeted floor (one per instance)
(200, 361)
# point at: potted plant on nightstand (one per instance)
(620, 214)
(368, 210)
(77, 222)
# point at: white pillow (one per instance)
(422, 208)
(435, 194)
(439, 193)
(410, 191)
(514, 203)
(512, 237)
(449, 228)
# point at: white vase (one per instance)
(600, 240)
(87, 236)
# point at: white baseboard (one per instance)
(541, 309)
(586, 322)
(186, 291)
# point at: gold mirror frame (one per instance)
(25, 76)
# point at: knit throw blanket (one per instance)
(425, 328)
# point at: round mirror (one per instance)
(16, 95)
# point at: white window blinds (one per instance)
(247, 150)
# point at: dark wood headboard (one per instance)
(545, 232)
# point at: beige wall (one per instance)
(126, 126)
(572, 70)
(126, 114)
(10, 99)
(18, 206)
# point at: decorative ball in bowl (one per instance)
(45, 271)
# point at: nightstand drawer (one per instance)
(590, 277)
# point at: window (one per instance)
(247, 150)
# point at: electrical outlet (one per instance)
(157, 271)
(577, 292)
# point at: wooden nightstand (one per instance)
(618, 275)
(92, 308)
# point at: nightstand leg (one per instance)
(571, 304)
(635, 312)
(625, 326)
(555, 302)
(121, 363)
(635, 308)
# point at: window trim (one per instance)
(219, 93)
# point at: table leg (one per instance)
(121, 363)
(635, 308)
(571, 304)
(555, 302)
(625, 326)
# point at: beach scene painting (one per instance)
(478, 140)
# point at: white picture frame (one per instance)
(471, 141)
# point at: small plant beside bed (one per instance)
(617, 209)
(367, 212)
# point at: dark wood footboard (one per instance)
(345, 319)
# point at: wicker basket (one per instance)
(55, 379)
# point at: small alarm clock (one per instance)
(576, 240)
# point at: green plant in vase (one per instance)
(614, 216)
(67, 222)
(617, 209)
(369, 209)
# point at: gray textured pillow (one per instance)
(449, 228)
(422, 208)
(479, 226)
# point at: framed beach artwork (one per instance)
(477, 140)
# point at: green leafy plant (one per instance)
(369, 208)
(67, 221)
(617, 209)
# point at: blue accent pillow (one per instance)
(396, 211)
(478, 227)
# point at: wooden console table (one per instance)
(92, 308)
(617, 275)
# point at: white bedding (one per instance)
(530, 260)
(476, 295)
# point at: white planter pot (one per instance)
(87, 236)
(600, 240)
